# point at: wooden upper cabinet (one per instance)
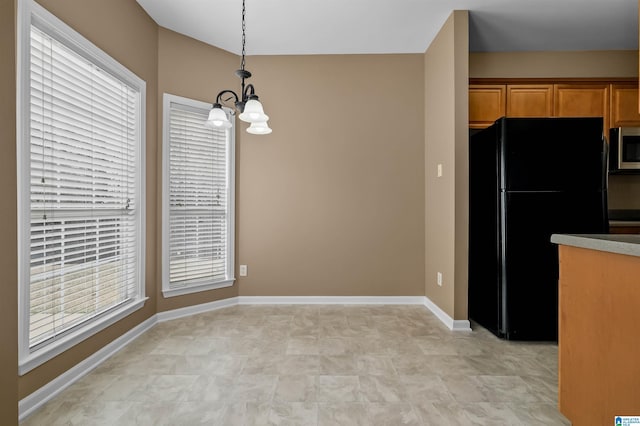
(529, 100)
(624, 105)
(615, 101)
(486, 104)
(582, 100)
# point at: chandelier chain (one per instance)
(244, 38)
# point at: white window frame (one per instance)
(30, 12)
(204, 284)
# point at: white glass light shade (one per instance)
(217, 119)
(259, 128)
(253, 112)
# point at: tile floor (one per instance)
(315, 365)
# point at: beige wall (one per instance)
(584, 64)
(123, 30)
(195, 70)
(446, 143)
(8, 254)
(332, 202)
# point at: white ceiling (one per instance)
(399, 26)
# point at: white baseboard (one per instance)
(196, 309)
(453, 325)
(32, 402)
(35, 400)
(330, 300)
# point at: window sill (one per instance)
(44, 354)
(196, 288)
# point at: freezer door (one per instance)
(530, 267)
(544, 154)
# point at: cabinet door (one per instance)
(582, 100)
(624, 105)
(486, 104)
(529, 100)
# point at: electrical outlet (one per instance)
(440, 279)
(439, 170)
(243, 270)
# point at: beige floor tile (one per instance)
(338, 364)
(382, 389)
(306, 345)
(448, 365)
(296, 388)
(123, 387)
(425, 388)
(315, 364)
(374, 365)
(334, 346)
(255, 387)
(412, 364)
(545, 387)
(338, 389)
(246, 413)
(465, 389)
(210, 388)
(192, 413)
(293, 413)
(164, 388)
(342, 414)
(491, 414)
(299, 364)
(147, 413)
(384, 414)
(539, 414)
(442, 413)
(89, 387)
(103, 413)
(508, 389)
(262, 364)
(55, 412)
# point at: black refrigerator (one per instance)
(530, 178)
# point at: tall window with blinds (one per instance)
(82, 254)
(198, 202)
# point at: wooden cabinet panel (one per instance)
(624, 229)
(615, 101)
(598, 313)
(582, 100)
(529, 100)
(624, 105)
(486, 104)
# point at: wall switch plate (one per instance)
(440, 279)
(243, 270)
(439, 170)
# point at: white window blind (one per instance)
(199, 199)
(84, 157)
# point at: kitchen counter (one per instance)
(612, 243)
(598, 346)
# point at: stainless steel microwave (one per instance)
(624, 150)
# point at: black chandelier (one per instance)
(247, 104)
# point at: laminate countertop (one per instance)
(627, 244)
